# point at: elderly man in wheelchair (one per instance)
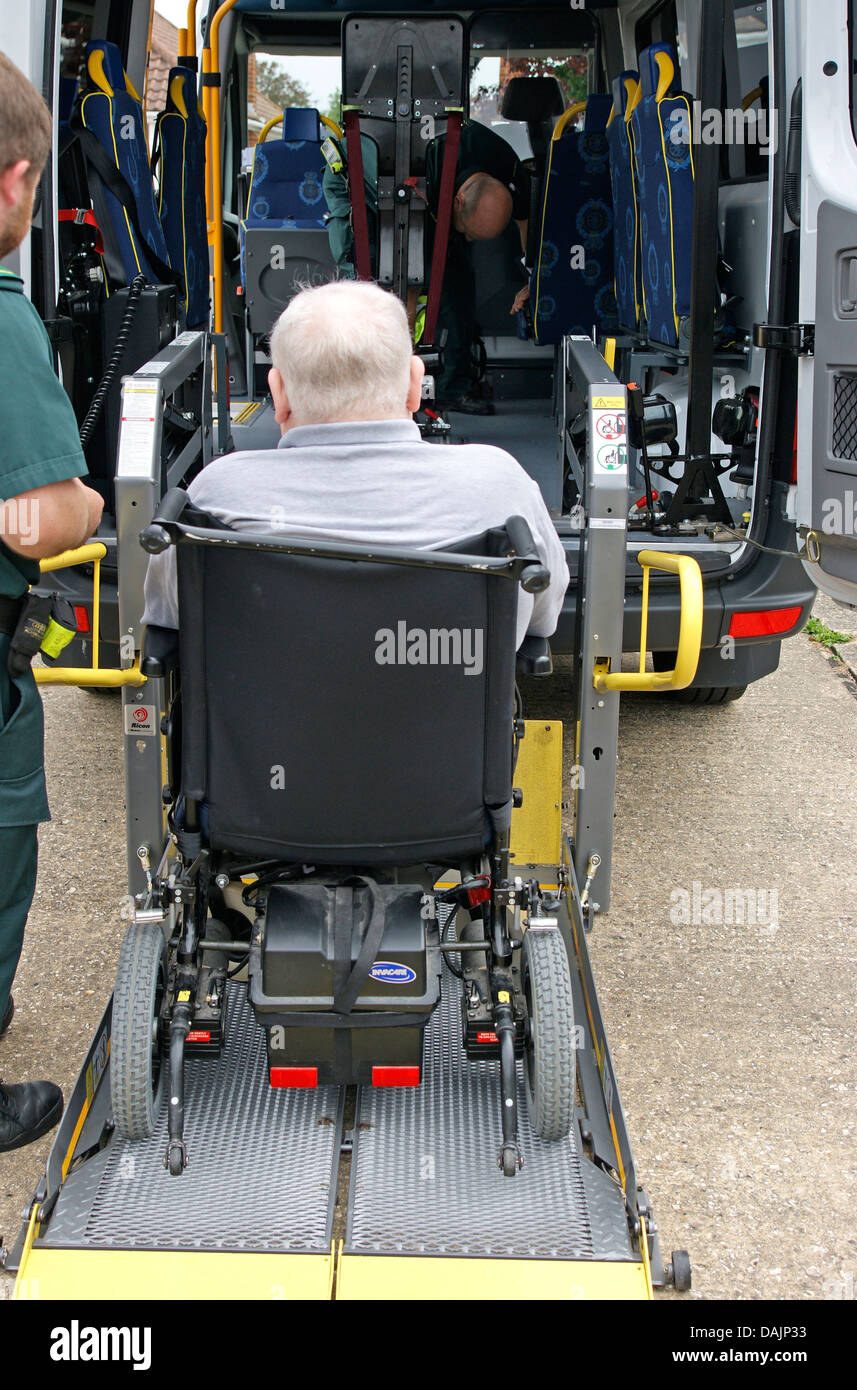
(341, 741)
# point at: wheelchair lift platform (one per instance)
(357, 1192)
(384, 1194)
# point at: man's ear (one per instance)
(13, 182)
(282, 409)
(415, 386)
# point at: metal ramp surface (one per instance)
(425, 1179)
(261, 1174)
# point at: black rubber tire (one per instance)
(550, 1059)
(136, 1074)
(696, 694)
(682, 1279)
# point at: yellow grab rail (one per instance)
(94, 675)
(689, 637)
(275, 120)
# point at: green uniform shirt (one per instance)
(39, 444)
(39, 441)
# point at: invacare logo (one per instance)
(76, 1343)
(435, 646)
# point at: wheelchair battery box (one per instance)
(301, 975)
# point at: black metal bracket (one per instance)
(795, 338)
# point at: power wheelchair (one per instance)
(340, 749)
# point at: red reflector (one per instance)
(487, 1037)
(81, 617)
(764, 624)
(199, 1035)
(395, 1076)
(306, 1077)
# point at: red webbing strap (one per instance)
(444, 220)
(83, 217)
(357, 195)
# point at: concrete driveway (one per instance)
(726, 965)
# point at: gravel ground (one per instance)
(733, 1041)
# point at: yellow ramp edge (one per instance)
(172, 1274)
(391, 1277)
(537, 824)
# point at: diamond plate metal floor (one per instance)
(425, 1179)
(261, 1173)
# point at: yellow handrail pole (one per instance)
(268, 127)
(190, 50)
(690, 629)
(206, 111)
(212, 42)
(182, 43)
(83, 555)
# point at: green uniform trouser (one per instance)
(23, 804)
(18, 856)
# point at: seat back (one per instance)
(109, 108)
(342, 710)
(285, 187)
(283, 236)
(663, 154)
(572, 285)
(626, 211)
(180, 146)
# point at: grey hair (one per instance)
(344, 353)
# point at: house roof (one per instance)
(163, 55)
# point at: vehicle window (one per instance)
(660, 25)
(275, 81)
(747, 92)
(75, 33)
(490, 72)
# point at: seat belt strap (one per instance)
(444, 220)
(357, 195)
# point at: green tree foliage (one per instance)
(279, 86)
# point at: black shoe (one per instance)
(470, 405)
(7, 1015)
(27, 1112)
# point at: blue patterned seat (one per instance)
(285, 188)
(572, 284)
(285, 196)
(180, 146)
(661, 126)
(110, 109)
(626, 212)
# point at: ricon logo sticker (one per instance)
(391, 973)
(139, 719)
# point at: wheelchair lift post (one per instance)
(602, 480)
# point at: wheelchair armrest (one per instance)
(534, 657)
(160, 651)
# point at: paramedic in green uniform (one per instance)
(491, 189)
(44, 509)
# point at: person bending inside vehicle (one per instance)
(491, 190)
(351, 464)
(44, 509)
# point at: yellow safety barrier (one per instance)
(689, 637)
(94, 675)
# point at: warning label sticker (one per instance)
(139, 719)
(610, 425)
(608, 403)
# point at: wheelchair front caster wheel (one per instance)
(176, 1159)
(136, 1074)
(510, 1160)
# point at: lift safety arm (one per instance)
(689, 637)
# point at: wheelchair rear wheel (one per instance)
(550, 1068)
(136, 1072)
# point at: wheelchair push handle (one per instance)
(534, 576)
(157, 536)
